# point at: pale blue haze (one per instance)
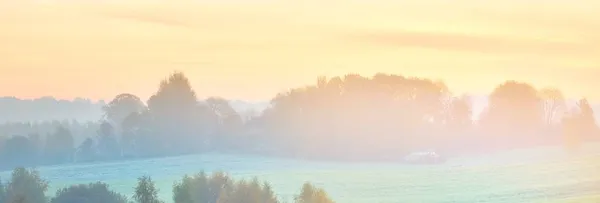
(519, 176)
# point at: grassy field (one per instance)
(583, 199)
(541, 175)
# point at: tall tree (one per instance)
(586, 120)
(59, 146)
(145, 191)
(141, 136)
(108, 146)
(325, 119)
(18, 151)
(86, 151)
(459, 114)
(553, 103)
(122, 106)
(229, 120)
(514, 109)
(174, 110)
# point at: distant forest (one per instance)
(48, 109)
(45, 109)
(351, 117)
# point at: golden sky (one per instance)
(252, 49)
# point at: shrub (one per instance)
(91, 193)
(250, 192)
(26, 186)
(146, 191)
(311, 194)
(221, 189)
(200, 188)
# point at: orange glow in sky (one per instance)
(254, 49)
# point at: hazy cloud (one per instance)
(474, 43)
(269, 45)
(151, 18)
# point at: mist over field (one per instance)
(521, 143)
(85, 110)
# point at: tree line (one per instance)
(351, 117)
(49, 108)
(26, 186)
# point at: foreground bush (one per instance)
(251, 192)
(146, 191)
(199, 188)
(26, 186)
(311, 194)
(90, 193)
(220, 188)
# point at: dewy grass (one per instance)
(582, 199)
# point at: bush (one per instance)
(200, 188)
(220, 188)
(311, 194)
(90, 193)
(26, 186)
(145, 191)
(250, 192)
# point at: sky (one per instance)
(252, 49)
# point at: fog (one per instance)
(377, 122)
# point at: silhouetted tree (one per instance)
(136, 130)
(227, 124)
(108, 146)
(173, 109)
(514, 109)
(18, 151)
(86, 151)
(588, 122)
(59, 146)
(459, 115)
(458, 126)
(581, 123)
(553, 103)
(395, 113)
(228, 118)
(121, 107)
